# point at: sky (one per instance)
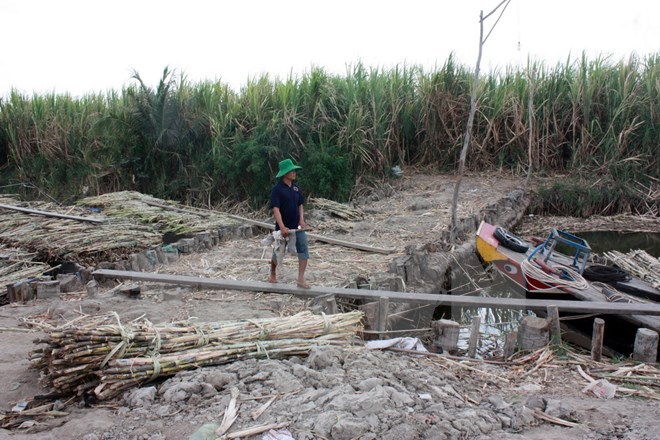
(92, 46)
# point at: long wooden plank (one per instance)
(362, 247)
(52, 214)
(424, 298)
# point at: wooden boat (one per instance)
(554, 268)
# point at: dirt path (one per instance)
(333, 393)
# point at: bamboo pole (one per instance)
(52, 214)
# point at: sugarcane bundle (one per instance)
(164, 216)
(639, 263)
(125, 373)
(57, 239)
(339, 209)
(78, 355)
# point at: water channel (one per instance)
(495, 323)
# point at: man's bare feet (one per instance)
(303, 285)
(272, 279)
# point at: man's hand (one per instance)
(302, 224)
(285, 231)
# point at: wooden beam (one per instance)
(374, 295)
(52, 214)
(362, 247)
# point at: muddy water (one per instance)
(602, 241)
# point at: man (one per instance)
(287, 201)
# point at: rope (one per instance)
(327, 327)
(156, 339)
(534, 271)
(156, 372)
(203, 338)
(262, 349)
(120, 349)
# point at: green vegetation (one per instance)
(595, 120)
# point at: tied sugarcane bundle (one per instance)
(339, 209)
(122, 374)
(77, 352)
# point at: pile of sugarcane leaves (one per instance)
(100, 356)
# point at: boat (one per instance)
(558, 267)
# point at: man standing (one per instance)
(287, 201)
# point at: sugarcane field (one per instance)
(123, 340)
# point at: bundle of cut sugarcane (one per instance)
(639, 263)
(76, 353)
(339, 209)
(66, 239)
(164, 215)
(121, 374)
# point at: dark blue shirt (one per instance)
(287, 199)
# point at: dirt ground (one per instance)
(351, 393)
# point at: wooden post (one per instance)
(327, 304)
(474, 337)
(383, 310)
(445, 334)
(553, 322)
(510, 343)
(11, 293)
(597, 340)
(370, 311)
(48, 289)
(646, 345)
(133, 259)
(533, 333)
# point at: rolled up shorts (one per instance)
(302, 248)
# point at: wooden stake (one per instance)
(327, 303)
(474, 337)
(553, 322)
(510, 341)
(383, 310)
(597, 340)
(646, 345)
(533, 333)
(446, 334)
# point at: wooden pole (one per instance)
(383, 310)
(52, 214)
(474, 337)
(597, 340)
(553, 321)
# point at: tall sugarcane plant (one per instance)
(204, 142)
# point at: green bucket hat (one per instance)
(285, 166)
